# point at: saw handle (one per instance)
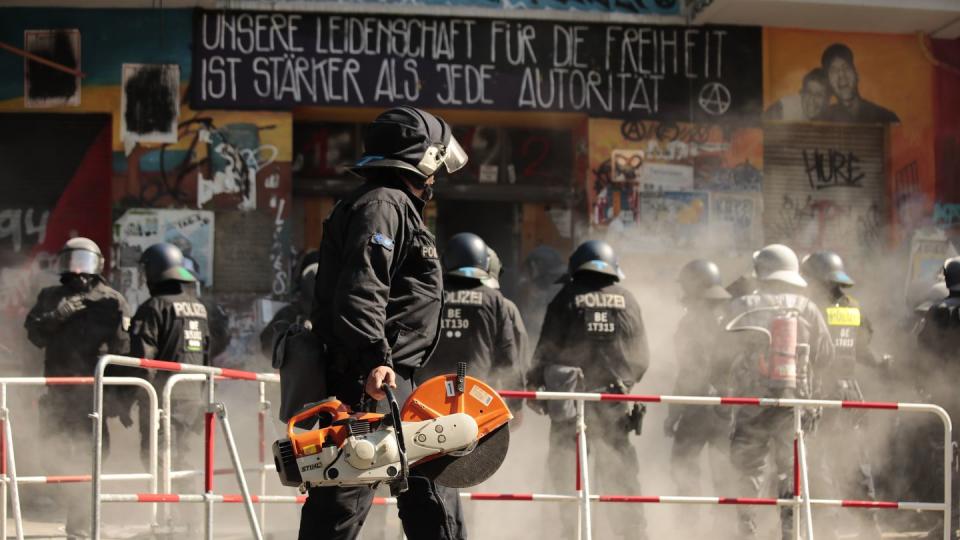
(400, 484)
(316, 409)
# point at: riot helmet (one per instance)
(594, 256)
(410, 140)
(496, 268)
(778, 262)
(700, 279)
(164, 262)
(825, 267)
(80, 256)
(466, 256)
(951, 274)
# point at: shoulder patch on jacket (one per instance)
(383, 240)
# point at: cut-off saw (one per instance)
(452, 429)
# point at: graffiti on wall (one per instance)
(650, 164)
(850, 80)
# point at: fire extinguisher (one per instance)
(781, 357)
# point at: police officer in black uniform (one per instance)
(377, 307)
(939, 341)
(851, 333)
(171, 325)
(696, 428)
(75, 323)
(593, 339)
(476, 327)
(776, 345)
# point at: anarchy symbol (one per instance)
(714, 98)
(633, 130)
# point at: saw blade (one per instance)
(470, 469)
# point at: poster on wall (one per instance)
(43, 85)
(666, 156)
(139, 228)
(704, 73)
(662, 220)
(149, 103)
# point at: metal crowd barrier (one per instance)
(802, 500)
(10, 481)
(215, 410)
(801, 496)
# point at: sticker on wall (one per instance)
(46, 86)
(627, 166)
(150, 103)
(666, 177)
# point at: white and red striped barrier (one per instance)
(10, 481)
(214, 410)
(801, 500)
(534, 497)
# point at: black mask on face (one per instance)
(77, 282)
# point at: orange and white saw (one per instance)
(452, 429)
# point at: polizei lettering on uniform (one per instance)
(600, 300)
(470, 298)
(184, 310)
(246, 60)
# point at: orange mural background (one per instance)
(893, 72)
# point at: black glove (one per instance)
(68, 307)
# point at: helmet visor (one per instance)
(451, 155)
(455, 158)
(79, 261)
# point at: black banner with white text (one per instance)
(257, 60)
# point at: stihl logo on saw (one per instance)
(452, 428)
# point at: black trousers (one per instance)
(428, 511)
(69, 451)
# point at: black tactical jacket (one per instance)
(171, 325)
(476, 328)
(379, 289)
(596, 325)
(72, 347)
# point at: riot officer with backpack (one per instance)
(777, 341)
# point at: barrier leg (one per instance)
(261, 428)
(797, 484)
(947, 477)
(152, 457)
(805, 495)
(238, 467)
(585, 522)
(208, 461)
(97, 417)
(166, 464)
(10, 464)
(3, 470)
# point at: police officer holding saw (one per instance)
(593, 340)
(377, 307)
